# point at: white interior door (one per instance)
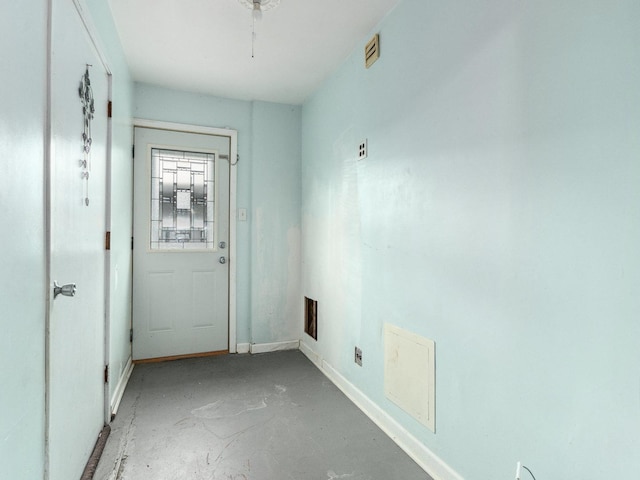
(181, 243)
(75, 355)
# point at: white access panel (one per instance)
(409, 373)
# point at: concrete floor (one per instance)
(240, 417)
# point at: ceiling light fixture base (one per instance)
(265, 5)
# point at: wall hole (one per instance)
(311, 318)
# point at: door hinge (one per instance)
(109, 109)
(133, 151)
(107, 241)
(106, 374)
(131, 243)
(131, 335)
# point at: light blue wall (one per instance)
(498, 213)
(22, 287)
(275, 237)
(269, 147)
(121, 193)
(22, 302)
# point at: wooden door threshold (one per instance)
(180, 357)
(92, 463)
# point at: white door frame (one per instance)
(233, 180)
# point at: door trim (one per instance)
(233, 180)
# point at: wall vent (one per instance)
(372, 51)
(311, 318)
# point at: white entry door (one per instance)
(75, 355)
(181, 243)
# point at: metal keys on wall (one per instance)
(88, 109)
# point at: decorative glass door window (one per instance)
(182, 200)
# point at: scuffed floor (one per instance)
(240, 417)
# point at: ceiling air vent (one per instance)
(372, 51)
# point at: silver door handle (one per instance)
(68, 290)
(222, 260)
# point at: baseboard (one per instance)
(311, 355)
(428, 461)
(266, 347)
(122, 384)
(274, 347)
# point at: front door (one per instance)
(181, 243)
(75, 354)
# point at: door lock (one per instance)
(223, 245)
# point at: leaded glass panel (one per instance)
(182, 200)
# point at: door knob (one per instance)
(222, 260)
(68, 290)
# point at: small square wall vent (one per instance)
(372, 51)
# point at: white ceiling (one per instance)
(205, 45)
